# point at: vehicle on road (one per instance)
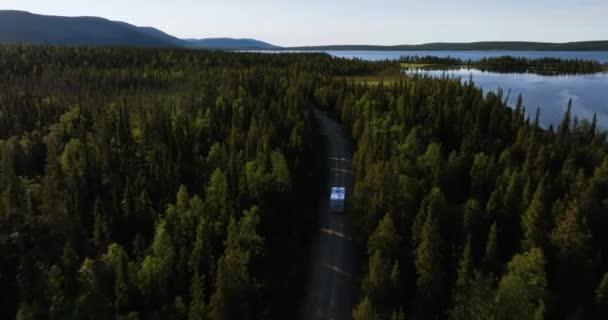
(336, 199)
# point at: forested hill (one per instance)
(27, 28)
(474, 46)
(229, 43)
(24, 27)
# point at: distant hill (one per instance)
(229, 43)
(24, 27)
(27, 28)
(473, 46)
(157, 34)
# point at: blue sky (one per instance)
(318, 22)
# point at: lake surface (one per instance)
(589, 93)
(601, 56)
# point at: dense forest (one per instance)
(504, 64)
(143, 183)
(181, 184)
(468, 209)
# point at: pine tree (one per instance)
(601, 299)
(429, 258)
(490, 258)
(69, 266)
(434, 203)
(91, 304)
(101, 232)
(25, 312)
(572, 239)
(364, 311)
(522, 289)
(198, 308)
(540, 313)
(518, 114)
(465, 266)
(280, 171)
(116, 261)
(593, 127)
(536, 123)
(398, 315)
(384, 239)
(55, 292)
(563, 130)
(127, 202)
(571, 235)
(474, 302)
(217, 202)
(377, 282)
(472, 217)
(533, 220)
(53, 194)
(234, 286)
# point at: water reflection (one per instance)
(589, 93)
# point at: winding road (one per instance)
(329, 293)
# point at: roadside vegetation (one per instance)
(468, 209)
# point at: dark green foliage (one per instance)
(429, 256)
(152, 184)
(522, 290)
(474, 301)
(601, 298)
(365, 311)
(477, 183)
(126, 176)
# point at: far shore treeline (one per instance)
(550, 66)
(471, 46)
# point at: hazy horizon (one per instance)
(387, 22)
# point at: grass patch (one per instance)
(414, 65)
(373, 80)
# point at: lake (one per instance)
(589, 93)
(601, 56)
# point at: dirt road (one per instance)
(330, 288)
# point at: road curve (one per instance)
(330, 288)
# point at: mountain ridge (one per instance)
(29, 28)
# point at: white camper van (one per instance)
(336, 199)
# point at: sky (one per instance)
(324, 22)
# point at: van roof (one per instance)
(337, 193)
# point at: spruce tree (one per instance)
(523, 288)
(429, 258)
(533, 220)
(364, 311)
(601, 299)
(490, 258)
(465, 266)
